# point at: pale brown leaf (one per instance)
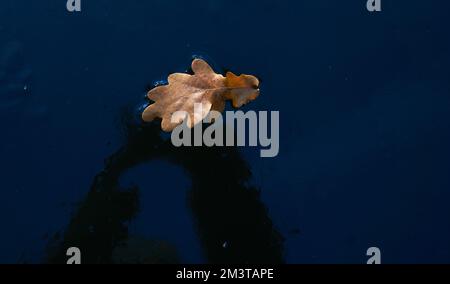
(205, 87)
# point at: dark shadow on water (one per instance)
(232, 222)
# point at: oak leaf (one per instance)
(204, 87)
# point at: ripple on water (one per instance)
(15, 77)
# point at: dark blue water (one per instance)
(364, 103)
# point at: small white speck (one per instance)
(25, 88)
(225, 245)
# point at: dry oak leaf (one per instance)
(205, 87)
